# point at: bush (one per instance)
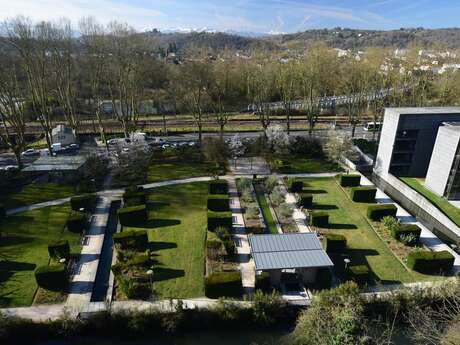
(2, 212)
(305, 200)
(407, 233)
(132, 215)
(230, 247)
(255, 229)
(86, 202)
(223, 284)
(359, 273)
(263, 282)
(295, 186)
(218, 187)
(377, 212)
(219, 219)
(136, 239)
(213, 244)
(319, 219)
(430, 262)
(76, 222)
(363, 194)
(59, 249)
(134, 189)
(335, 243)
(350, 180)
(52, 277)
(222, 233)
(134, 198)
(218, 202)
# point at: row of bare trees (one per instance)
(48, 72)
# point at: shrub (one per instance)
(222, 233)
(2, 212)
(86, 202)
(230, 247)
(213, 244)
(263, 282)
(255, 229)
(270, 183)
(134, 189)
(76, 222)
(377, 212)
(277, 196)
(136, 239)
(335, 243)
(223, 284)
(219, 219)
(218, 187)
(218, 202)
(134, 198)
(350, 180)
(430, 262)
(59, 249)
(407, 233)
(52, 277)
(319, 219)
(363, 194)
(305, 200)
(252, 212)
(132, 215)
(139, 260)
(295, 186)
(359, 273)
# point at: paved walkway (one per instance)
(427, 238)
(298, 216)
(81, 283)
(240, 237)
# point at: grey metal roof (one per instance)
(58, 163)
(426, 110)
(293, 250)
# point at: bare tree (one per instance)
(286, 82)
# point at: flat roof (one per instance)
(56, 163)
(293, 250)
(425, 110)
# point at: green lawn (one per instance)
(363, 245)
(24, 246)
(263, 203)
(36, 193)
(298, 165)
(162, 171)
(445, 206)
(177, 234)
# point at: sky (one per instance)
(258, 16)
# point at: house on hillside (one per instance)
(63, 135)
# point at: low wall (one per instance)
(433, 218)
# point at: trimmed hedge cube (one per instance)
(319, 219)
(52, 277)
(350, 180)
(363, 194)
(306, 200)
(218, 187)
(59, 249)
(219, 219)
(218, 202)
(76, 222)
(359, 273)
(335, 243)
(406, 229)
(377, 212)
(296, 186)
(426, 261)
(223, 284)
(137, 239)
(132, 215)
(86, 202)
(134, 189)
(134, 198)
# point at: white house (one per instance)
(63, 135)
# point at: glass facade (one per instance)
(403, 152)
(453, 183)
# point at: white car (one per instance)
(30, 152)
(112, 141)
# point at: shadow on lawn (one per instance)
(340, 226)
(12, 240)
(324, 207)
(314, 191)
(161, 273)
(8, 268)
(159, 223)
(154, 205)
(159, 245)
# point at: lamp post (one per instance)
(346, 261)
(150, 274)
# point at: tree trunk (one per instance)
(222, 131)
(353, 130)
(288, 123)
(17, 155)
(200, 134)
(164, 124)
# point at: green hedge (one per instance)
(2, 212)
(223, 284)
(213, 244)
(218, 202)
(132, 215)
(219, 219)
(134, 189)
(86, 202)
(77, 222)
(306, 200)
(359, 273)
(350, 180)
(59, 249)
(218, 187)
(406, 229)
(377, 212)
(52, 277)
(430, 262)
(134, 198)
(295, 186)
(319, 219)
(363, 194)
(335, 243)
(136, 239)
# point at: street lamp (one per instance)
(150, 274)
(346, 261)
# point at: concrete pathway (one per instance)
(427, 238)
(240, 237)
(298, 216)
(84, 273)
(37, 206)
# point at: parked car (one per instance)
(30, 153)
(112, 141)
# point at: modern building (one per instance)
(408, 138)
(443, 176)
(298, 252)
(57, 169)
(63, 135)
